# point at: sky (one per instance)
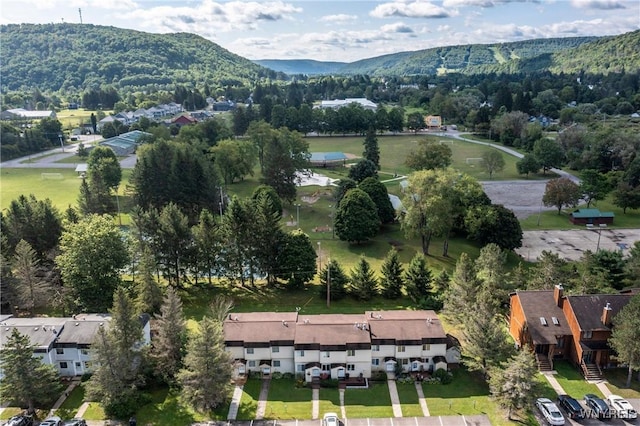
(344, 31)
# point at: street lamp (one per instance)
(599, 229)
(298, 215)
(319, 255)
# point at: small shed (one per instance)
(591, 216)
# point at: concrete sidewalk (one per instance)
(554, 383)
(63, 397)
(395, 399)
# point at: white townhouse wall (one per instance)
(335, 346)
(260, 341)
(65, 343)
(413, 339)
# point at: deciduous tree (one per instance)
(625, 338)
(494, 224)
(429, 155)
(561, 192)
(594, 186)
(528, 164)
(92, 254)
(362, 170)
(492, 161)
(356, 217)
(296, 259)
(379, 195)
(549, 153)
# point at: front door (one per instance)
(587, 357)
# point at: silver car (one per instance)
(550, 411)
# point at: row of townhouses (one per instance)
(63, 342)
(336, 346)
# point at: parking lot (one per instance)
(595, 421)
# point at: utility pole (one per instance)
(329, 283)
(80, 13)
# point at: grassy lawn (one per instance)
(10, 412)
(329, 401)
(572, 381)
(94, 412)
(72, 118)
(166, 408)
(72, 403)
(409, 400)
(249, 400)
(372, 402)
(286, 401)
(617, 378)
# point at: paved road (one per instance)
(395, 421)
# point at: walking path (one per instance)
(343, 411)
(553, 382)
(235, 403)
(64, 396)
(422, 400)
(315, 403)
(602, 386)
(395, 399)
(262, 399)
(84, 407)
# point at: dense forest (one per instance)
(69, 57)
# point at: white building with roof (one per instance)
(339, 103)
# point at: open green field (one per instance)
(73, 118)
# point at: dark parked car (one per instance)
(597, 406)
(571, 406)
(20, 421)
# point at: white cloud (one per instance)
(411, 9)
(338, 19)
(482, 3)
(398, 27)
(598, 4)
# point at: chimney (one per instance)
(558, 292)
(606, 315)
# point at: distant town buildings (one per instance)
(339, 103)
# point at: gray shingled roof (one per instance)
(41, 331)
(588, 308)
(405, 325)
(541, 304)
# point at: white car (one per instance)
(330, 419)
(621, 407)
(550, 411)
(52, 421)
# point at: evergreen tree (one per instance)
(208, 244)
(441, 283)
(392, 281)
(26, 380)
(362, 170)
(238, 229)
(148, 291)
(512, 384)
(547, 272)
(418, 278)
(169, 342)
(363, 284)
(344, 185)
(461, 296)
(207, 373)
(36, 221)
(371, 148)
(268, 236)
(176, 244)
(296, 259)
(30, 289)
(117, 378)
(333, 274)
(491, 272)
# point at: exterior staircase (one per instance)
(543, 363)
(591, 372)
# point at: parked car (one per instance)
(330, 419)
(51, 421)
(20, 421)
(598, 407)
(621, 407)
(550, 411)
(75, 422)
(571, 406)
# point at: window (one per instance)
(276, 363)
(401, 348)
(63, 364)
(87, 365)
(78, 364)
(252, 363)
(59, 351)
(375, 348)
(326, 367)
(300, 368)
(375, 361)
(405, 361)
(351, 367)
(275, 349)
(560, 343)
(326, 354)
(426, 347)
(301, 353)
(249, 351)
(351, 352)
(84, 351)
(587, 334)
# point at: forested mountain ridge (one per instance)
(520, 56)
(301, 66)
(82, 56)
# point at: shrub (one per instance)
(276, 375)
(443, 376)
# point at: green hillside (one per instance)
(521, 56)
(76, 56)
